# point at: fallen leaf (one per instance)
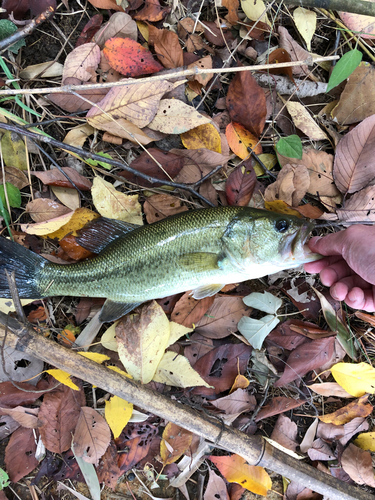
(296, 52)
(175, 370)
(117, 414)
(320, 450)
(63, 377)
(280, 56)
(241, 141)
(15, 176)
(55, 177)
(175, 442)
(73, 103)
(256, 330)
(291, 185)
(329, 389)
(236, 403)
(89, 30)
(305, 21)
(160, 206)
(285, 433)
(216, 487)
(13, 150)
(201, 78)
(137, 103)
(91, 436)
(358, 408)
(129, 57)
(304, 121)
(360, 207)
(236, 470)
(120, 25)
(279, 404)
(114, 204)
(167, 47)
(366, 441)
(357, 379)
(189, 311)
(27, 417)
(266, 302)
(20, 452)
(68, 197)
(205, 136)
(77, 136)
(240, 184)
(81, 63)
(106, 4)
(352, 428)
(246, 102)
(354, 166)
(305, 358)
(152, 11)
(365, 25)
(48, 69)
(357, 464)
(43, 209)
(176, 117)
(142, 338)
(255, 10)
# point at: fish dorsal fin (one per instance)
(207, 291)
(199, 261)
(112, 310)
(99, 233)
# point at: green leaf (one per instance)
(103, 164)
(7, 28)
(4, 479)
(290, 146)
(90, 475)
(344, 68)
(14, 195)
(265, 302)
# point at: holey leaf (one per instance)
(236, 470)
(130, 58)
(357, 379)
(176, 117)
(256, 330)
(175, 370)
(265, 302)
(137, 103)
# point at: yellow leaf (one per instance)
(13, 150)
(78, 135)
(357, 379)
(306, 24)
(175, 441)
(255, 9)
(366, 441)
(118, 370)
(6, 305)
(236, 470)
(204, 136)
(304, 121)
(358, 408)
(95, 356)
(63, 377)
(177, 331)
(241, 141)
(114, 204)
(117, 414)
(269, 161)
(175, 370)
(108, 339)
(142, 338)
(281, 207)
(175, 117)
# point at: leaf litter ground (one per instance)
(283, 389)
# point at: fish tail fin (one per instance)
(25, 264)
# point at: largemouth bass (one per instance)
(199, 250)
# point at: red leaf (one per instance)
(56, 178)
(240, 184)
(305, 358)
(189, 311)
(278, 405)
(246, 103)
(90, 29)
(129, 57)
(11, 396)
(20, 454)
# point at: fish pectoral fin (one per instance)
(199, 261)
(207, 291)
(99, 233)
(112, 310)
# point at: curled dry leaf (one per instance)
(358, 408)
(354, 166)
(296, 52)
(176, 117)
(81, 63)
(137, 103)
(55, 177)
(91, 27)
(167, 47)
(152, 11)
(291, 185)
(119, 25)
(43, 209)
(304, 121)
(159, 206)
(130, 58)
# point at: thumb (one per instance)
(332, 244)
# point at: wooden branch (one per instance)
(354, 6)
(254, 449)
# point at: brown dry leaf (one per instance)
(159, 206)
(280, 56)
(55, 177)
(357, 464)
(369, 318)
(320, 450)
(81, 63)
(319, 165)
(114, 204)
(358, 424)
(127, 130)
(364, 25)
(92, 436)
(136, 103)
(204, 63)
(246, 102)
(198, 163)
(358, 408)
(240, 184)
(296, 52)
(222, 317)
(120, 25)
(285, 433)
(330, 389)
(360, 207)
(167, 47)
(73, 103)
(20, 452)
(68, 197)
(354, 166)
(291, 185)
(239, 401)
(152, 11)
(43, 209)
(175, 442)
(15, 176)
(304, 121)
(189, 311)
(357, 100)
(27, 417)
(232, 6)
(106, 4)
(216, 487)
(176, 117)
(277, 405)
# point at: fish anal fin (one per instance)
(112, 310)
(207, 290)
(98, 234)
(199, 261)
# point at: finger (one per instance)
(335, 272)
(331, 244)
(318, 265)
(361, 299)
(339, 291)
(353, 281)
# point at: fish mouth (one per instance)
(294, 247)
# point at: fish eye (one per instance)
(281, 225)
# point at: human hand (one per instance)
(349, 265)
